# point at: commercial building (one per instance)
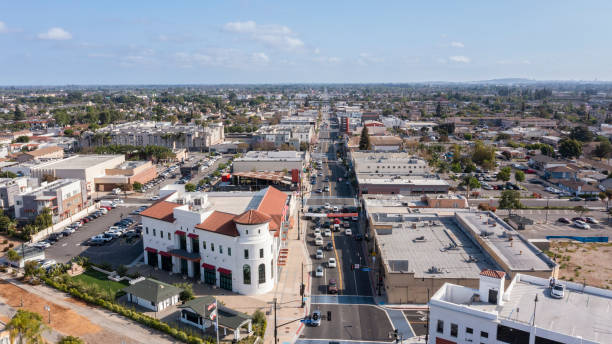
(385, 143)
(42, 154)
(401, 185)
(128, 173)
(299, 120)
(269, 161)
(83, 167)
(228, 239)
(389, 164)
(418, 250)
(284, 133)
(522, 312)
(151, 133)
(64, 197)
(11, 187)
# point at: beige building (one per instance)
(417, 250)
(45, 153)
(128, 172)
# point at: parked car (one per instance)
(564, 220)
(576, 199)
(581, 224)
(591, 220)
(331, 263)
(579, 219)
(348, 231)
(557, 291)
(154, 198)
(319, 271)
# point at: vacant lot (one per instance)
(588, 262)
(99, 280)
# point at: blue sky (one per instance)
(208, 42)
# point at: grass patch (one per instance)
(100, 280)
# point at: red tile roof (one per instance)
(273, 204)
(161, 211)
(493, 273)
(219, 222)
(252, 217)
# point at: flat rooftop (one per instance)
(271, 156)
(77, 162)
(517, 253)
(399, 180)
(430, 246)
(235, 202)
(583, 312)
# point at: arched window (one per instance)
(262, 273)
(246, 273)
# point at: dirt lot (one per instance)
(5, 246)
(589, 262)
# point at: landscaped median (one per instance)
(60, 284)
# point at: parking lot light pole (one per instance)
(48, 309)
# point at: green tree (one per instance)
(137, 186)
(71, 340)
(504, 174)
(582, 134)
(44, 219)
(603, 150)
(570, 148)
(26, 327)
(18, 115)
(471, 182)
(187, 293)
(439, 110)
(519, 176)
(22, 139)
(467, 136)
(484, 155)
(12, 256)
(510, 199)
(7, 174)
(31, 268)
(364, 141)
(547, 150)
(189, 187)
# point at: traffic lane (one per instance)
(418, 321)
(319, 284)
(356, 282)
(350, 322)
(71, 246)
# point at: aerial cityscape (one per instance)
(311, 173)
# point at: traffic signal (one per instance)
(302, 289)
(328, 315)
(395, 334)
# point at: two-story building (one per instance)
(64, 197)
(228, 239)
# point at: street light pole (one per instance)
(275, 328)
(48, 309)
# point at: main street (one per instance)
(354, 316)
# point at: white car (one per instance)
(327, 232)
(327, 206)
(154, 198)
(68, 231)
(331, 263)
(336, 209)
(581, 225)
(319, 271)
(592, 220)
(348, 231)
(319, 254)
(317, 232)
(318, 241)
(42, 244)
(557, 291)
(100, 237)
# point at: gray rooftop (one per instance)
(152, 290)
(517, 253)
(78, 162)
(272, 156)
(227, 317)
(430, 246)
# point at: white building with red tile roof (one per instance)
(228, 239)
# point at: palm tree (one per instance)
(26, 328)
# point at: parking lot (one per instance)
(118, 251)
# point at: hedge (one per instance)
(128, 313)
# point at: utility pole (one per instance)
(275, 328)
(427, 326)
(303, 287)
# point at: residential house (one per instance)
(542, 162)
(199, 313)
(152, 294)
(45, 153)
(560, 172)
(577, 188)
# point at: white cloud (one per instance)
(226, 58)
(367, 59)
(3, 28)
(276, 36)
(457, 45)
(327, 59)
(513, 62)
(56, 33)
(317, 51)
(460, 59)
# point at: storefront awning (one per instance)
(193, 236)
(224, 271)
(208, 266)
(165, 254)
(179, 232)
(150, 249)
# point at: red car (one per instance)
(106, 207)
(530, 171)
(85, 220)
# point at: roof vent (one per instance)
(420, 239)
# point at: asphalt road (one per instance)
(119, 251)
(418, 321)
(350, 322)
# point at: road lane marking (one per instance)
(340, 268)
